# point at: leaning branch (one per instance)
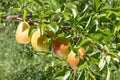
(17, 18)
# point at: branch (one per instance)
(17, 18)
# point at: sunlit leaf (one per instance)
(38, 2)
(102, 63)
(60, 72)
(108, 59)
(108, 74)
(74, 12)
(42, 28)
(53, 27)
(88, 22)
(96, 4)
(91, 75)
(66, 75)
(83, 66)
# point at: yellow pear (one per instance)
(38, 41)
(22, 33)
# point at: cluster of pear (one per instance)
(39, 43)
(37, 40)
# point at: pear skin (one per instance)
(72, 60)
(60, 46)
(38, 41)
(22, 33)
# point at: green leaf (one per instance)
(32, 30)
(108, 74)
(108, 59)
(42, 28)
(96, 4)
(88, 22)
(105, 32)
(91, 75)
(66, 75)
(86, 7)
(56, 5)
(59, 78)
(70, 5)
(117, 28)
(73, 8)
(53, 27)
(81, 75)
(60, 72)
(83, 66)
(102, 63)
(84, 42)
(106, 48)
(96, 37)
(95, 69)
(95, 60)
(94, 56)
(74, 12)
(89, 49)
(39, 2)
(24, 15)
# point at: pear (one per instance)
(22, 33)
(61, 46)
(39, 42)
(72, 60)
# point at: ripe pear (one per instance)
(72, 60)
(38, 41)
(22, 33)
(61, 46)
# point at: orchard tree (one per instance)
(82, 35)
